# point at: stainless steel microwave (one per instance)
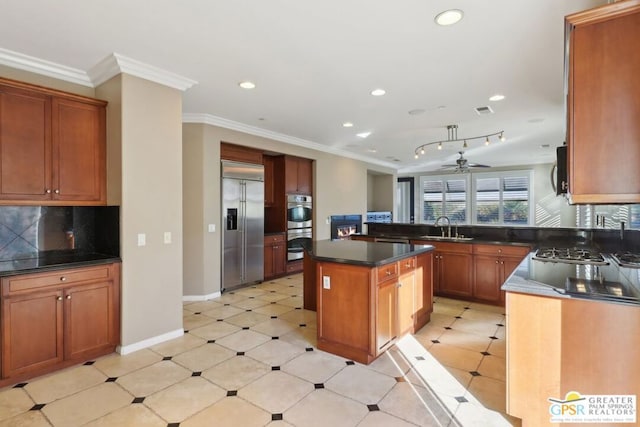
(299, 211)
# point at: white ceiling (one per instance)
(315, 63)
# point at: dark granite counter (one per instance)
(54, 260)
(362, 253)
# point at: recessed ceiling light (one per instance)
(496, 97)
(372, 150)
(347, 125)
(363, 134)
(378, 92)
(441, 107)
(448, 17)
(416, 111)
(544, 146)
(247, 85)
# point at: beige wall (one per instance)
(382, 192)
(49, 82)
(340, 187)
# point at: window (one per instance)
(586, 216)
(502, 198)
(445, 195)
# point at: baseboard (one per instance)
(189, 298)
(126, 349)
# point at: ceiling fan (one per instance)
(463, 165)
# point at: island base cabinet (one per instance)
(56, 319)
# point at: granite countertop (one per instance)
(362, 253)
(54, 260)
(470, 240)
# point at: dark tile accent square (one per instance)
(276, 417)
(173, 425)
(308, 349)
(227, 304)
(273, 302)
(232, 293)
(20, 385)
(37, 407)
(435, 341)
(458, 317)
(303, 325)
(373, 407)
(274, 317)
(318, 386)
(461, 399)
(419, 358)
(350, 363)
(198, 312)
(219, 320)
(447, 328)
(138, 400)
(275, 338)
(494, 337)
(401, 380)
(485, 353)
(475, 373)
(467, 308)
(186, 331)
(166, 358)
(210, 341)
(111, 380)
(231, 393)
(244, 328)
(89, 363)
(298, 308)
(248, 309)
(196, 374)
(252, 297)
(499, 324)
(273, 292)
(275, 368)
(240, 353)
(293, 295)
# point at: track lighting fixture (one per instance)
(452, 136)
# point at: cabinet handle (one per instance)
(399, 285)
(59, 298)
(57, 191)
(501, 262)
(388, 272)
(499, 251)
(63, 279)
(68, 296)
(47, 191)
(496, 262)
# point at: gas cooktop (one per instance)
(627, 259)
(570, 256)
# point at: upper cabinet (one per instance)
(603, 104)
(52, 147)
(298, 175)
(240, 153)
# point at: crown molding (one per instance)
(212, 120)
(116, 63)
(40, 66)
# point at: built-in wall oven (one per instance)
(299, 211)
(297, 238)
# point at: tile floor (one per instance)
(249, 359)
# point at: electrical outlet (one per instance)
(326, 282)
(142, 239)
(212, 228)
(167, 237)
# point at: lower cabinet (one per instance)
(452, 268)
(54, 319)
(275, 255)
(492, 266)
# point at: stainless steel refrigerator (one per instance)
(243, 216)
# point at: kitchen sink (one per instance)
(451, 239)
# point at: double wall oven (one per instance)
(299, 225)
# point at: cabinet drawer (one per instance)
(407, 264)
(26, 282)
(273, 238)
(387, 271)
(514, 251)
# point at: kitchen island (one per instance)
(367, 294)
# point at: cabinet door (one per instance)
(304, 176)
(269, 181)
(290, 175)
(268, 262)
(32, 334)
(487, 274)
(90, 323)
(25, 145)
(455, 274)
(79, 151)
(406, 303)
(386, 322)
(508, 267)
(279, 258)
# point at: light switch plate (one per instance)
(167, 237)
(142, 239)
(212, 228)
(326, 282)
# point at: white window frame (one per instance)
(503, 174)
(446, 177)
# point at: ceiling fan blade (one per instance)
(477, 165)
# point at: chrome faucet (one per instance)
(436, 224)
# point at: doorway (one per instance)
(405, 200)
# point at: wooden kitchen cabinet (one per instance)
(275, 255)
(452, 268)
(386, 314)
(52, 146)
(54, 319)
(408, 299)
(492, 265)
(603, 104)
(298, 175)
(239, 153)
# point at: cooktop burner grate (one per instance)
(570, 255)
(627, 259)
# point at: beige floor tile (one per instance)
(451, 302)
(195, 320)
(360, 383)
(392, 363)
(441, 320)
(501, 333)
(153, 378)
(14, 401)
(475, 327)
(116, 365)
(252, 291)
(493, 367)
(382, 419)
(136, 415)
(64, 383)
(456, 357)
(323, 408)
(273, 327)
(315, 366)
(274, 286)
(250, 303)
(247, 319)
(462, 377)
(243, 340)
(223, 312)
(430, 332)
(498, 348)
(411, 404)
(488, 307)
(273, 309)
(237, 372)
(276, 392)
(178, 345)
(201, 306)
(471, 415)
(203, 357)
(275, 352)
(226, 413)
(214, 330)
(490, 392)
(466, 340)
(27, 419)
(301, 316)
(438, 378)
(230, 298)
(305, 337)
(273, 296)
(86, 406)
(294, 302)
(481, 315)
(182, 400)
(449, 310)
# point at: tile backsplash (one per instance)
(25, 231)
